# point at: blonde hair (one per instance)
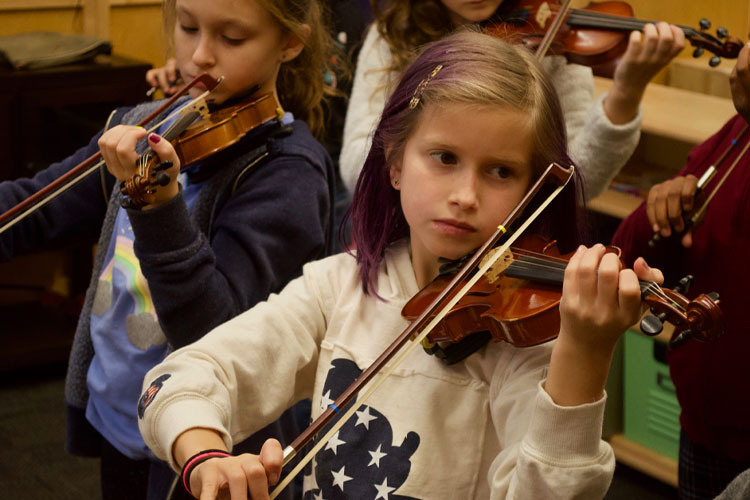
(301, 82)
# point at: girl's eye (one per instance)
(444, 157)
(233, 41)
(188, 29)
(501, 172)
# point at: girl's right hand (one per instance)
(117, 146)
(242, 477)
(164, 78)
(667, 204)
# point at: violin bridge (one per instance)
(199, 106)
(500, 265)
(543, 15)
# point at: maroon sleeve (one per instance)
(634, 232)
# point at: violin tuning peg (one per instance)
(713, 296)
(126, 202)
(714, 61)
(704, 24)
(722, 32)
(698, 52)
(684, 284)
(163, 166)
(651, 325)
(161, 179)
(680, 339)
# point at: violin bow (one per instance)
(699, 213)
(551, 33)
(364, 385)
(86, 167)
(709, 174)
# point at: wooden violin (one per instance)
(597, 33)
(517, 301)
(194, 141)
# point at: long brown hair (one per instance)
(301, 82)
(406, 25)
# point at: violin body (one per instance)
(589, 47)
(510, 309)
(223, 128)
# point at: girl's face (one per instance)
(470, 11)
(462, 171)
(236, 39)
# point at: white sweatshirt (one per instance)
(482, 428)
(599, 147)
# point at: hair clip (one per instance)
(414, 102)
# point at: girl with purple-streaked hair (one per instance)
(471, 125)
(602, 132)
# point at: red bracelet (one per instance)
(195, 461)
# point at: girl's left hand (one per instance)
(600, 300)
(117, 146)
(647, 53)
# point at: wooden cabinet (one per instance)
(47, 114)
(44, 116)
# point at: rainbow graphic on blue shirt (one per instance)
(125, 261)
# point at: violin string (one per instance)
(584, 18)
(531, 260)
(658, 291)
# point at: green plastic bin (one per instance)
(651, 410)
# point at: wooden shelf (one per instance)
(615, 203)
(644, 459)
(677, 113)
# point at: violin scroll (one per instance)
(139, 190)
(699, 319)
(721, 45)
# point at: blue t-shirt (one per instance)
(127, 338)
(126, 335)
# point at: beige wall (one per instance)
(134, 26)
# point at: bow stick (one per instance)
(709, 174)
(551, 33)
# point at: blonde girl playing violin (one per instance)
(602, 133)
(505, 422)
(216, 240)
